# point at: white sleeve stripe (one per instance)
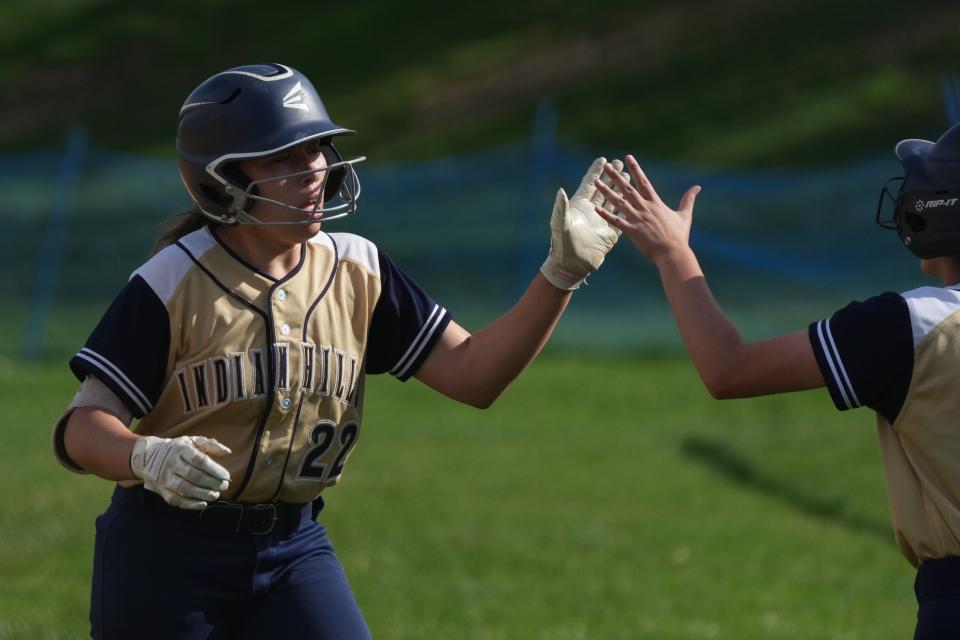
(843, 370)
(830, 356)
(413, 343)
(110, 370)
(416, 344)
(423, 343)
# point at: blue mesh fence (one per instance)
(780, 248)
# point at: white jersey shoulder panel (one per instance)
(165, 271)
(357, 249)
(930, 306)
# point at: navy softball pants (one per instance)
(159, 576)
(938, 593)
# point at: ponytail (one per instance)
(179, 225)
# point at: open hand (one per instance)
(651, 225)
(579, 239)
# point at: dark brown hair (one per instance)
(179, 225)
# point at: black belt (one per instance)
(238, 517)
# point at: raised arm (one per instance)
(729, 366)
(477, 368)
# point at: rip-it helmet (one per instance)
(924, 205)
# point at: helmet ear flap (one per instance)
(914, 222)
(231, 171)
(215, 196)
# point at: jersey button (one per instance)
(285, 329)
(281, 295)
(285, 403)
(269, 462)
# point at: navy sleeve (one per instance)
(128, 349)
(406, 324)
(865, 352)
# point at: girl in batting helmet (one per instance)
(241, 347)
(897, 353)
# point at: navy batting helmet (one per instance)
(250, 112)
(925, 210)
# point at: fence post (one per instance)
(950, 89)
(534, 232)
(51, 250)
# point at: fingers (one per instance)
(611, 172)
(612, 219)
(202, 477)
(560, 205)
(196, 479)
(200, 469)
(210, 446)
(185, 488)
(640, 181)
(176, 500)
(615, 199)
(587, 190)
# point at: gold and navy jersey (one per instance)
(899, 354)
(201, 343)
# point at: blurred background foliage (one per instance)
(471, 116)
(744, 83)
(606, 494)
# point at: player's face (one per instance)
(304, 192)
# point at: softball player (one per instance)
(241, 349)
(897, 353)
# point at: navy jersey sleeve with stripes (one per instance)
(406, 324)
(865, 352)
(128, 349)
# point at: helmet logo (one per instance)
(294, 98)
(930, 204)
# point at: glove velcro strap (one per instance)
(560, 277)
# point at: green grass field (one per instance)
(600, 498)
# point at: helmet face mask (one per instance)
(340, 189)
(256, 111)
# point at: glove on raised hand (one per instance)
(181, 469)
(579, 238)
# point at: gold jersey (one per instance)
(899, 354)
(201, 343)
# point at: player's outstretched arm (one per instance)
(729, 366)
(477, 368)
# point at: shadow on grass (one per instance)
(730, 465)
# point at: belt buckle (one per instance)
(262, 510)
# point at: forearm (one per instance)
(477, 368)
(715, 345)
(503, 349)
(100, 443)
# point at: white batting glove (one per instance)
(579, 238)
(181, 469)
